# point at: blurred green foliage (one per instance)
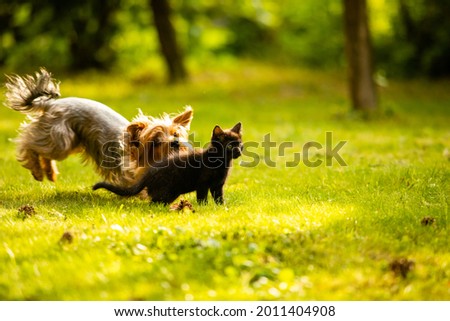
(411, 37)
(72, 35)
(419, 42)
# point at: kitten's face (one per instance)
(229, 139)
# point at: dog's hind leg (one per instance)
(30, 160)
(49, 168)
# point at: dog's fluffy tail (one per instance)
(119, 190)
(28, 94)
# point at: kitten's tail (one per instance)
(29, 94)
(119, 190)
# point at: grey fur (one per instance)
(59, 127)
(22, 91)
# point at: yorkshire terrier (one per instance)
(149, 140)
(59, 127)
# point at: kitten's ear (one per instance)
(134, 130)
(217, 131)
(237, 128)
(184, 119)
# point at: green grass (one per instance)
(292, 233)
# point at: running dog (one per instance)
(58, 127)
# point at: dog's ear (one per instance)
(217, 131)
(237, 128)
(184, 119)
(134, 130)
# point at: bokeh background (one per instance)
(411, 38)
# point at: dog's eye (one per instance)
(176, 134)
(229, 147)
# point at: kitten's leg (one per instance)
(217, 193)
(202, 195)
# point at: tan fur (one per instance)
(150, 139)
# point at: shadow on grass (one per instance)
(71, 203)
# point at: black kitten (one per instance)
(196, 171)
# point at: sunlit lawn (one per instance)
(294, 233)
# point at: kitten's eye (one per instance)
(229, 147)
(176, 134)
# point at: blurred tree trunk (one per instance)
(167, 40)
(359, 56)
